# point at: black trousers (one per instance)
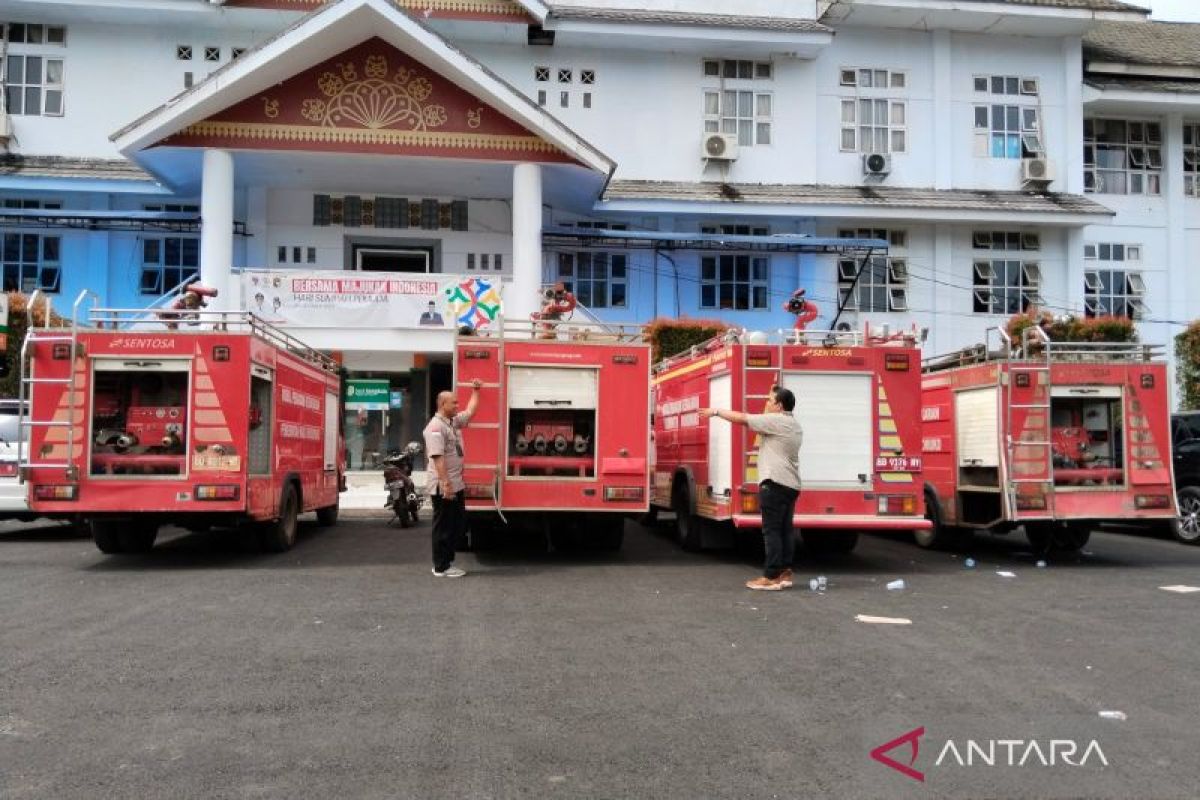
(777, 503)
(449, 527)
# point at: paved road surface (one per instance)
(344, 669)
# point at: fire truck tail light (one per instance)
(1152, 501)
(227, 491)
(1148, 381)
(749, 503)
(624, 493)
(895, 362)
(897, 504)
(479, 491)
(56, 492)
(1031, 502)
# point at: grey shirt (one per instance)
(443, 437)
(780, 438)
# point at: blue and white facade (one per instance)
(976, 114)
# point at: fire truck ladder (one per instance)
(1032, 358)
(48, 332)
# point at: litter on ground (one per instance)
(882, 620)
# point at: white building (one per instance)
(954, 130)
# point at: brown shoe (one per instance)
(764, 584)
(785, 578)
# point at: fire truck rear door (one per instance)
(720, 436)
(835, 411)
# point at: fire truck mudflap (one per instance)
(560, 442)
(224, 423)
(857, 402)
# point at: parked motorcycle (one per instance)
(403, 498)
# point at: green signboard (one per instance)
(364, 394)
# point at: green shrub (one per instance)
(18, 324)
(1187, 366)
(670, 337)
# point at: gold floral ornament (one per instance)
(270, 107)
(375, 101)
(474, 117)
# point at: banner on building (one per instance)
(334, 299)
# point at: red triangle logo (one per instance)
(913, 739)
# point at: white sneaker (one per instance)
(453, 572)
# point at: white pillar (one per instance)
(216, 227)
(944, 131)
(521, 296)
(1070, 173)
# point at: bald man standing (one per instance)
(443, 445)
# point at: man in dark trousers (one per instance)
(780, 438)
(443, 445)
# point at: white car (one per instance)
(14, 496)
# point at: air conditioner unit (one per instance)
(1037, 171)
(877, 164)
(720, 146)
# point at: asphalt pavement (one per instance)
(344, 669)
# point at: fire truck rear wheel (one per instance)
(687, 524)
(821, 542)
(107, 536)
(279, 535)
(139, 537)
(327, 517)
(940, 536)
(1063, 537)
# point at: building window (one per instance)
(236, 52)
(883, 284)
(736, 282)
(13, 202)
(746, 114)
(564, 75)
(736, 230)
(1191, 160)
(732, 69)
(1110, 287)
(34, 85)
(587, 76)
(872, 121)
(212, 53)
(1008, 125)
(1122, 156)
(31, 261)
(183, 52)
(1005, 281)
(178, 208)
(598, 280)
(167, 262)
(25, 33)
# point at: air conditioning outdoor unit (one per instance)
(877, 164)
(720, 146)
(1037, 171)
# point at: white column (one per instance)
(944, 131)
(1174, 305)
(521, 296)
(216, 226)
(1070, 173)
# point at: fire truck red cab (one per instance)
(561, 437)
(857, 401)
(1054, 436)
(219, 421)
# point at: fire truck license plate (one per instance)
(898, 463)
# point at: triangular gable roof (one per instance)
(521, 11)
(335, 29)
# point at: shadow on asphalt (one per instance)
(43, 531)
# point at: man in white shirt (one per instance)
(780, 438)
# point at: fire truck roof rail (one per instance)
(208, 322)
(1036, 344)
(562, 331)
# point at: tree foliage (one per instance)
(1068, 328)
(670, 337)
(1187, 366)
(18, 324)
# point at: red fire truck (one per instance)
(221, 420)
(1055, 436)
(561, 438)
(858, 402)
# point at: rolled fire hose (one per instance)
(581, 444)
(522, 445)
(539, 444)
(560, 444)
